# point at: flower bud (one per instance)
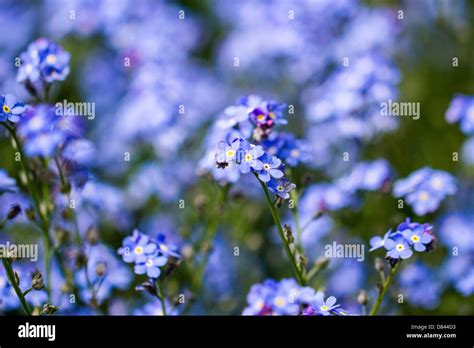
(379, 264)
(49, 309)
(37, 281)
(30, 213)
(14, 211)
(322, 262)
(288, 234)
(92, 236)
(362, 297)
(101, 269)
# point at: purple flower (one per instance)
(418, 237)
(281, 187)
(10, 108)
(398, 248)
(285, 146)
(270, 169)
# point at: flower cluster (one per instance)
(286, 297)
(251, 158)
(44, 61)
(407, 235)
(425, 188)
(147, 254)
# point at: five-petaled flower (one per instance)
(10, 108)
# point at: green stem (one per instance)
(27, 291)
(297, 271)
(12, 280)
(385, 287)
(44, 220)
(296, 219)
(160, 296)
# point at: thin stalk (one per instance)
(44, 223)
(11, 279)
(386, 285)
(160, 296)
(297, 271)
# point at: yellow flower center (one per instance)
(280, 188)
(266, 166)
(294, 153)
(163, 247)
(6, 109)
(424, 196)
(51, 59)
(280, 301)
(272, 114)
(149, 263)
(415, 239)
(230, 153)
(324, 308)
(261, 117)
(437, 183)
(138, 250)
(400, 247)
(248, 157)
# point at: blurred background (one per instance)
(161, 73)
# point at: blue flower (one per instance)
(166, 249)
(281, 187)
(226, 152)
(418, 237)
(398, 247)
(248, 157)
(137, 247)
(425, 188)
(421, 286)
(150, 264)
(324, 307)
(378, 242)
(270, 168)
(287, 298)
(43, 60)
(369, 176)
(285, 146)
(461, 110)
(10, 108)
(7, 184)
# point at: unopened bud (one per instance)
(288, 234)
(49, 309)
(37, 281)
(101, 269)
(322, 262)
(30, 213)
(14, 211)
(362, 298)
(378, 264)
(92, 236)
